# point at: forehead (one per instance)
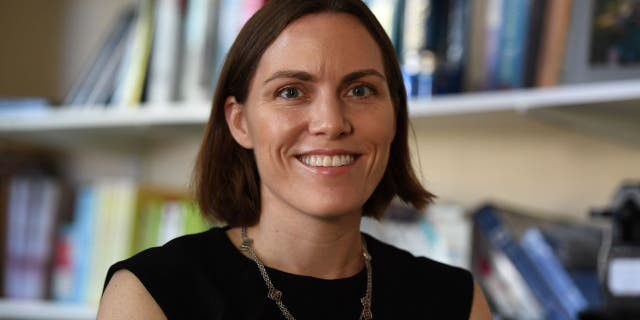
(323, 43)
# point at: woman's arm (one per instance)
(479, 307)
(126, 298)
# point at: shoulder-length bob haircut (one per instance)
(225, 177)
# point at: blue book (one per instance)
(501, 238)
(556, 277)
(512, 44)
(82, 240)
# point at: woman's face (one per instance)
(318, 116)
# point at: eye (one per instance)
(289, 93)
(361, 91)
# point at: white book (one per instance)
(136, 60)
(16, 235)
(171, 222)
(164, 56)
(42, 221)
(384, 10)
(228, 28)
(192, 89)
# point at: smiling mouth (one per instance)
(327, 160)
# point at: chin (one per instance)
(334, 212)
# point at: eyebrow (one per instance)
(305, 76)
(300, 75)
(361, 74)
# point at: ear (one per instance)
(236, 118)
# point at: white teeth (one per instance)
(327, 161)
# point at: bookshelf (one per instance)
(548, 149)
(37, 310)
(608, 108)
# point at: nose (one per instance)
(327, 118)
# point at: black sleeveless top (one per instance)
(204, 276)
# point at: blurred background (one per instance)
(525, 123)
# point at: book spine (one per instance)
(558, 280)
(16, 236)
(228, 28)
(513, 40)
(554, 38)
(80, 93)
(164, 52)
(476, 62)
(44, 225)
(134, 67)
(534, 40)
(501, 238)
(194, 48)
(171, 223)
(450, 57)
(83, 241)
(492, 31)
(386, 11)
(414, 37)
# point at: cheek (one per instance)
(383, 129)
(273, 133)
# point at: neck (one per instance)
(309, 246)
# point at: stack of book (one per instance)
(532, 268)
(161, 52)
(61, 238)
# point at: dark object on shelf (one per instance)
(620, 267)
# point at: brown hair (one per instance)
(226, 179)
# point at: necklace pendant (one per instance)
(246, 244)
(275, 294)
(366, 314)
(366, 256)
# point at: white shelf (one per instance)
(609, 108)
(36, 310)
(101, 117)
(524, 100)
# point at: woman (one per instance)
(308, 133)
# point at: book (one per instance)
(193, 47)
(17, 213)
(553, 42)
(556, 277)
(161, 216)
(537, 21)
(32, 209)
(208, 74)
(386, 11)
(112, 225)
(227, 30)
(164, 53)
(492, 34)
(133, 69)
(418, 62)
(501, 238)
(451, 46)
(4, 204)
(103, 61)
(475, 70)
(41, 231)
(512, 44)
(506, 290)
(32, 106)
(101, 93)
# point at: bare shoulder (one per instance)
(126, 298)
(479, 307)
